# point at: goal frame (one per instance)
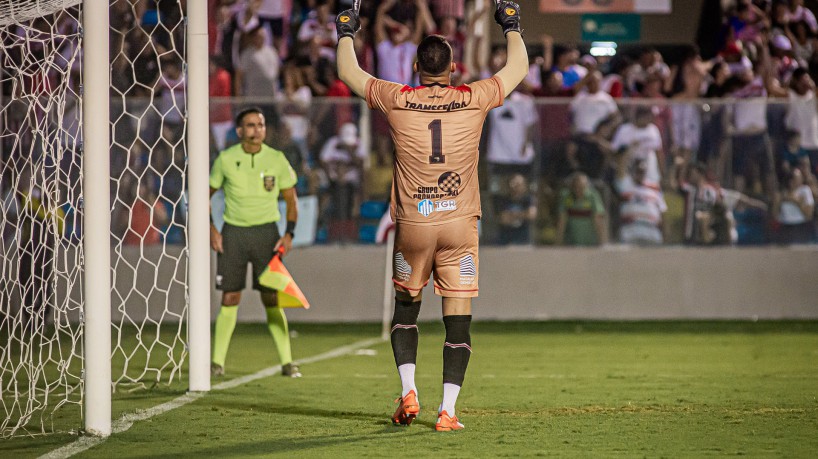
(97, 210)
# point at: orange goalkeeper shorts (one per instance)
(448, 250)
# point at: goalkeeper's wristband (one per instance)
(290, 228)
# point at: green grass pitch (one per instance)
(574, 389)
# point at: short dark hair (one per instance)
(434, 55)
(799, 73)
(245, 112)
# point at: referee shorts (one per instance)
(242, 245)
(448, 250)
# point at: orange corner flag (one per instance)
(277, 277)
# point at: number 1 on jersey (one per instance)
(437, 143)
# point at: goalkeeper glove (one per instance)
(347, 23)
(508, 16)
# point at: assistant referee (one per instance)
(252, 175)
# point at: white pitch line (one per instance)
(127, 420)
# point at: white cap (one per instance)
(781, 42)
(348, 135)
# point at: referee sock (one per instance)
(456, 353)
(277, 323)
(405, 341)
(225, 324)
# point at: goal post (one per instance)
(104, 202)
(96, 218)
(199, 191)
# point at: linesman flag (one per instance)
(277, 277)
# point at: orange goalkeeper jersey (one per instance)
(436, 130)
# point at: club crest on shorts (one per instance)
(402, 269)
(468, 270)
(219, 280)
(426, 207)
(269, 182)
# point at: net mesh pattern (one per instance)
(40, 162)
(41, 275)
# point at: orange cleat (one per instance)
(446, 423)
(408, 409)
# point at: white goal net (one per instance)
(41, 206)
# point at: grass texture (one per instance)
(566, 389)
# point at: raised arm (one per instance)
(516, 68)
(347, 23)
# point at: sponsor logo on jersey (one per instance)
(446, 206)
(449, 182)
(426, 207)
(402, 269)
(468, 270)
(436, 107)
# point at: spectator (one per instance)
(790, 155)
(566, 60)
(746, 22)
(581, 214)
(396, 43)
(650, 62)
(172, 105)
(318, 31)
(455, 9)
(221, 110)
(797, 13)
(516, 210)
(591, 111)
(273, 15)
(804, 43)
(294, 103)
(803, 113)
(243, 20)
(794, 208)
(686, 116)
(642, 204)
(146, 218)
(554, 130)
(343, 159)
(643, 142)
(511, 130)
(258, 67)
(449, 28)
(40, 221)
(701, 200)
(752, 158)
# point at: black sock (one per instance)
(405, 331)
(457, 350)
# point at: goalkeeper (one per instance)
(435, 196)
(252, 175)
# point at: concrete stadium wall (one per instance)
(346, 284)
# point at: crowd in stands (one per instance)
(645, 147)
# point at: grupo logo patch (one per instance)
(510, 11)
(344, 19)
(449, 183)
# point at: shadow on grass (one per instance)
(380, 423)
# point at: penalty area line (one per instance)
(127, 420)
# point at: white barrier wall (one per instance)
(345, 284)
